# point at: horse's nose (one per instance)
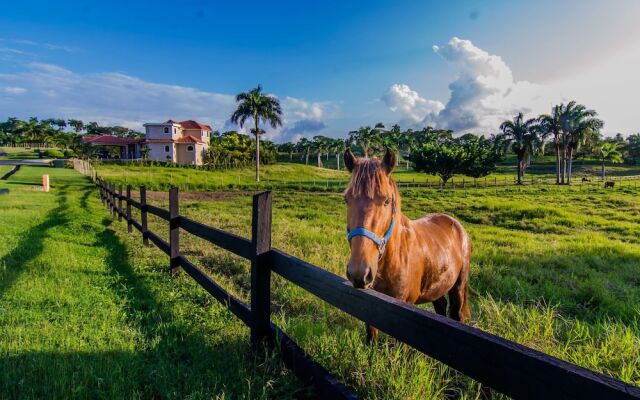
(361, 280)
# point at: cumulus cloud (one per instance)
(47, 90)
(400, 98)
(483, 94)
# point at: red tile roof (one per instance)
(189, 139)
(190, 124)
(106, 140)
(159, 141)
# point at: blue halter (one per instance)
(381, 242)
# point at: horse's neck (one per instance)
(393, 251)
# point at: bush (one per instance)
(53, 154)
(68, 153)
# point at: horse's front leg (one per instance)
(372, 333)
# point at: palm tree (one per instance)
(320, 145)
(337, 146)
(580, 125)
(304, 148)
(287, 147)
(259, 107)
(551, 124)
(522, 137)
(76, 124)
(608, 152)
(367, 138)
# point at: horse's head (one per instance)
(371, 199)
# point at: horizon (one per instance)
(335, 67)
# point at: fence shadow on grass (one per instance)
(176, 358)
(31, 244)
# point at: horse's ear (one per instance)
(389, 161)
(350, 160)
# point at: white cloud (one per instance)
(400, 98)
(13, 90)
(108, 98)
(483, 94)
(47, 90)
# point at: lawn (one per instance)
(296, 176)
(18, 153)
(553, 268)
(87, 313)
(85, 305)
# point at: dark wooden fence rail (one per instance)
(501, 364)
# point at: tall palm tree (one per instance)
(523, 139)
(608, 152)
(551, 124)
(304, 148)
(579, 126)
(76, 124)
(260, 108)
(337, 146)
(367, 138)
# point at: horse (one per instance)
(415, 261)
(609, 184)
(585, 179)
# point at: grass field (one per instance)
(296, 176)
(86, 313)
(18, 153)
(553, 268)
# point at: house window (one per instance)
(166, 149)
(166, 129)
(189, 148)
(174, 130)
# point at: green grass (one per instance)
(86, 313)
(554, 268)
(296, 176)
(18, 153)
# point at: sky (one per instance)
(334, 65)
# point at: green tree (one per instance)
(608, 152)
(260, 108)
(633, 148)
(579, 125)
(76, 124)
(442, 158)
(288, 148)
(522, 138)
(481, 155)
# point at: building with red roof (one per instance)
(181, 142)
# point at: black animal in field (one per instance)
(609, 184)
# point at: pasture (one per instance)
(553, 268)
(296, 176)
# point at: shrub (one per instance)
(53, 154)
(68, 153)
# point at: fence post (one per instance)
(120, 203)
(143, 215)
(174, 231)
(260, 270)
(129, 226)
(113, 200)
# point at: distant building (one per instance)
(129, 147)
(184, 142)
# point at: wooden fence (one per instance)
(503, 365)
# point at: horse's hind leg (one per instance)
(372, 334)
(440, 305)
(458, 299)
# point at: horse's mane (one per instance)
(367, 180)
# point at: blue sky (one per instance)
(335, 65)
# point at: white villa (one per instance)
(182, 142)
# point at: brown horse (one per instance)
(415, 261)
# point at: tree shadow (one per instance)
(31, 244)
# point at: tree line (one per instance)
(569, 131)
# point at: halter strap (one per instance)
(381, 242)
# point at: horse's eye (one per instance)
(387, 201)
